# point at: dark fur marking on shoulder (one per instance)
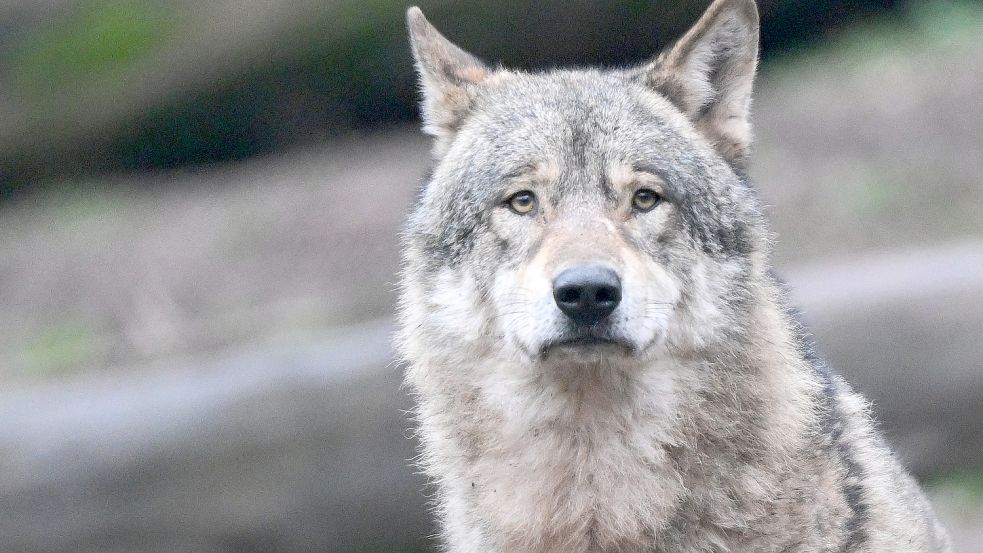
(853, 491)
(833, 426)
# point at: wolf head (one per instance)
(585, 216)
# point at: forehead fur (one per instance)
(582, 123)
(565, 115)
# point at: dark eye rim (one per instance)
(532, 199)
(655, 195)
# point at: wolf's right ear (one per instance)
(449, 77)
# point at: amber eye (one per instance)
(522, 202)
(645, 200)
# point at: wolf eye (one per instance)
(522, 202)
(645, 200)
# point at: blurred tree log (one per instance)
(290, 451)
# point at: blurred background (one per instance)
(199, 208)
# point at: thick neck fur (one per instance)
(690, 450)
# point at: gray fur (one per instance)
(712, 426)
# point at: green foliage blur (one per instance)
(99, 41)
(147, 84)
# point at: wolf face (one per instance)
(578, 217)
(601, 361)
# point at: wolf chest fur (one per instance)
(601, 356)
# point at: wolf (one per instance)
(601, 356)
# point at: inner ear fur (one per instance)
(449, 76)
(709, 74)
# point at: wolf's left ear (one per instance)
(709, 74)
(449, 76)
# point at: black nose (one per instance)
(587, 293)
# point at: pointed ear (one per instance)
(709, 74)
(449, 76)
